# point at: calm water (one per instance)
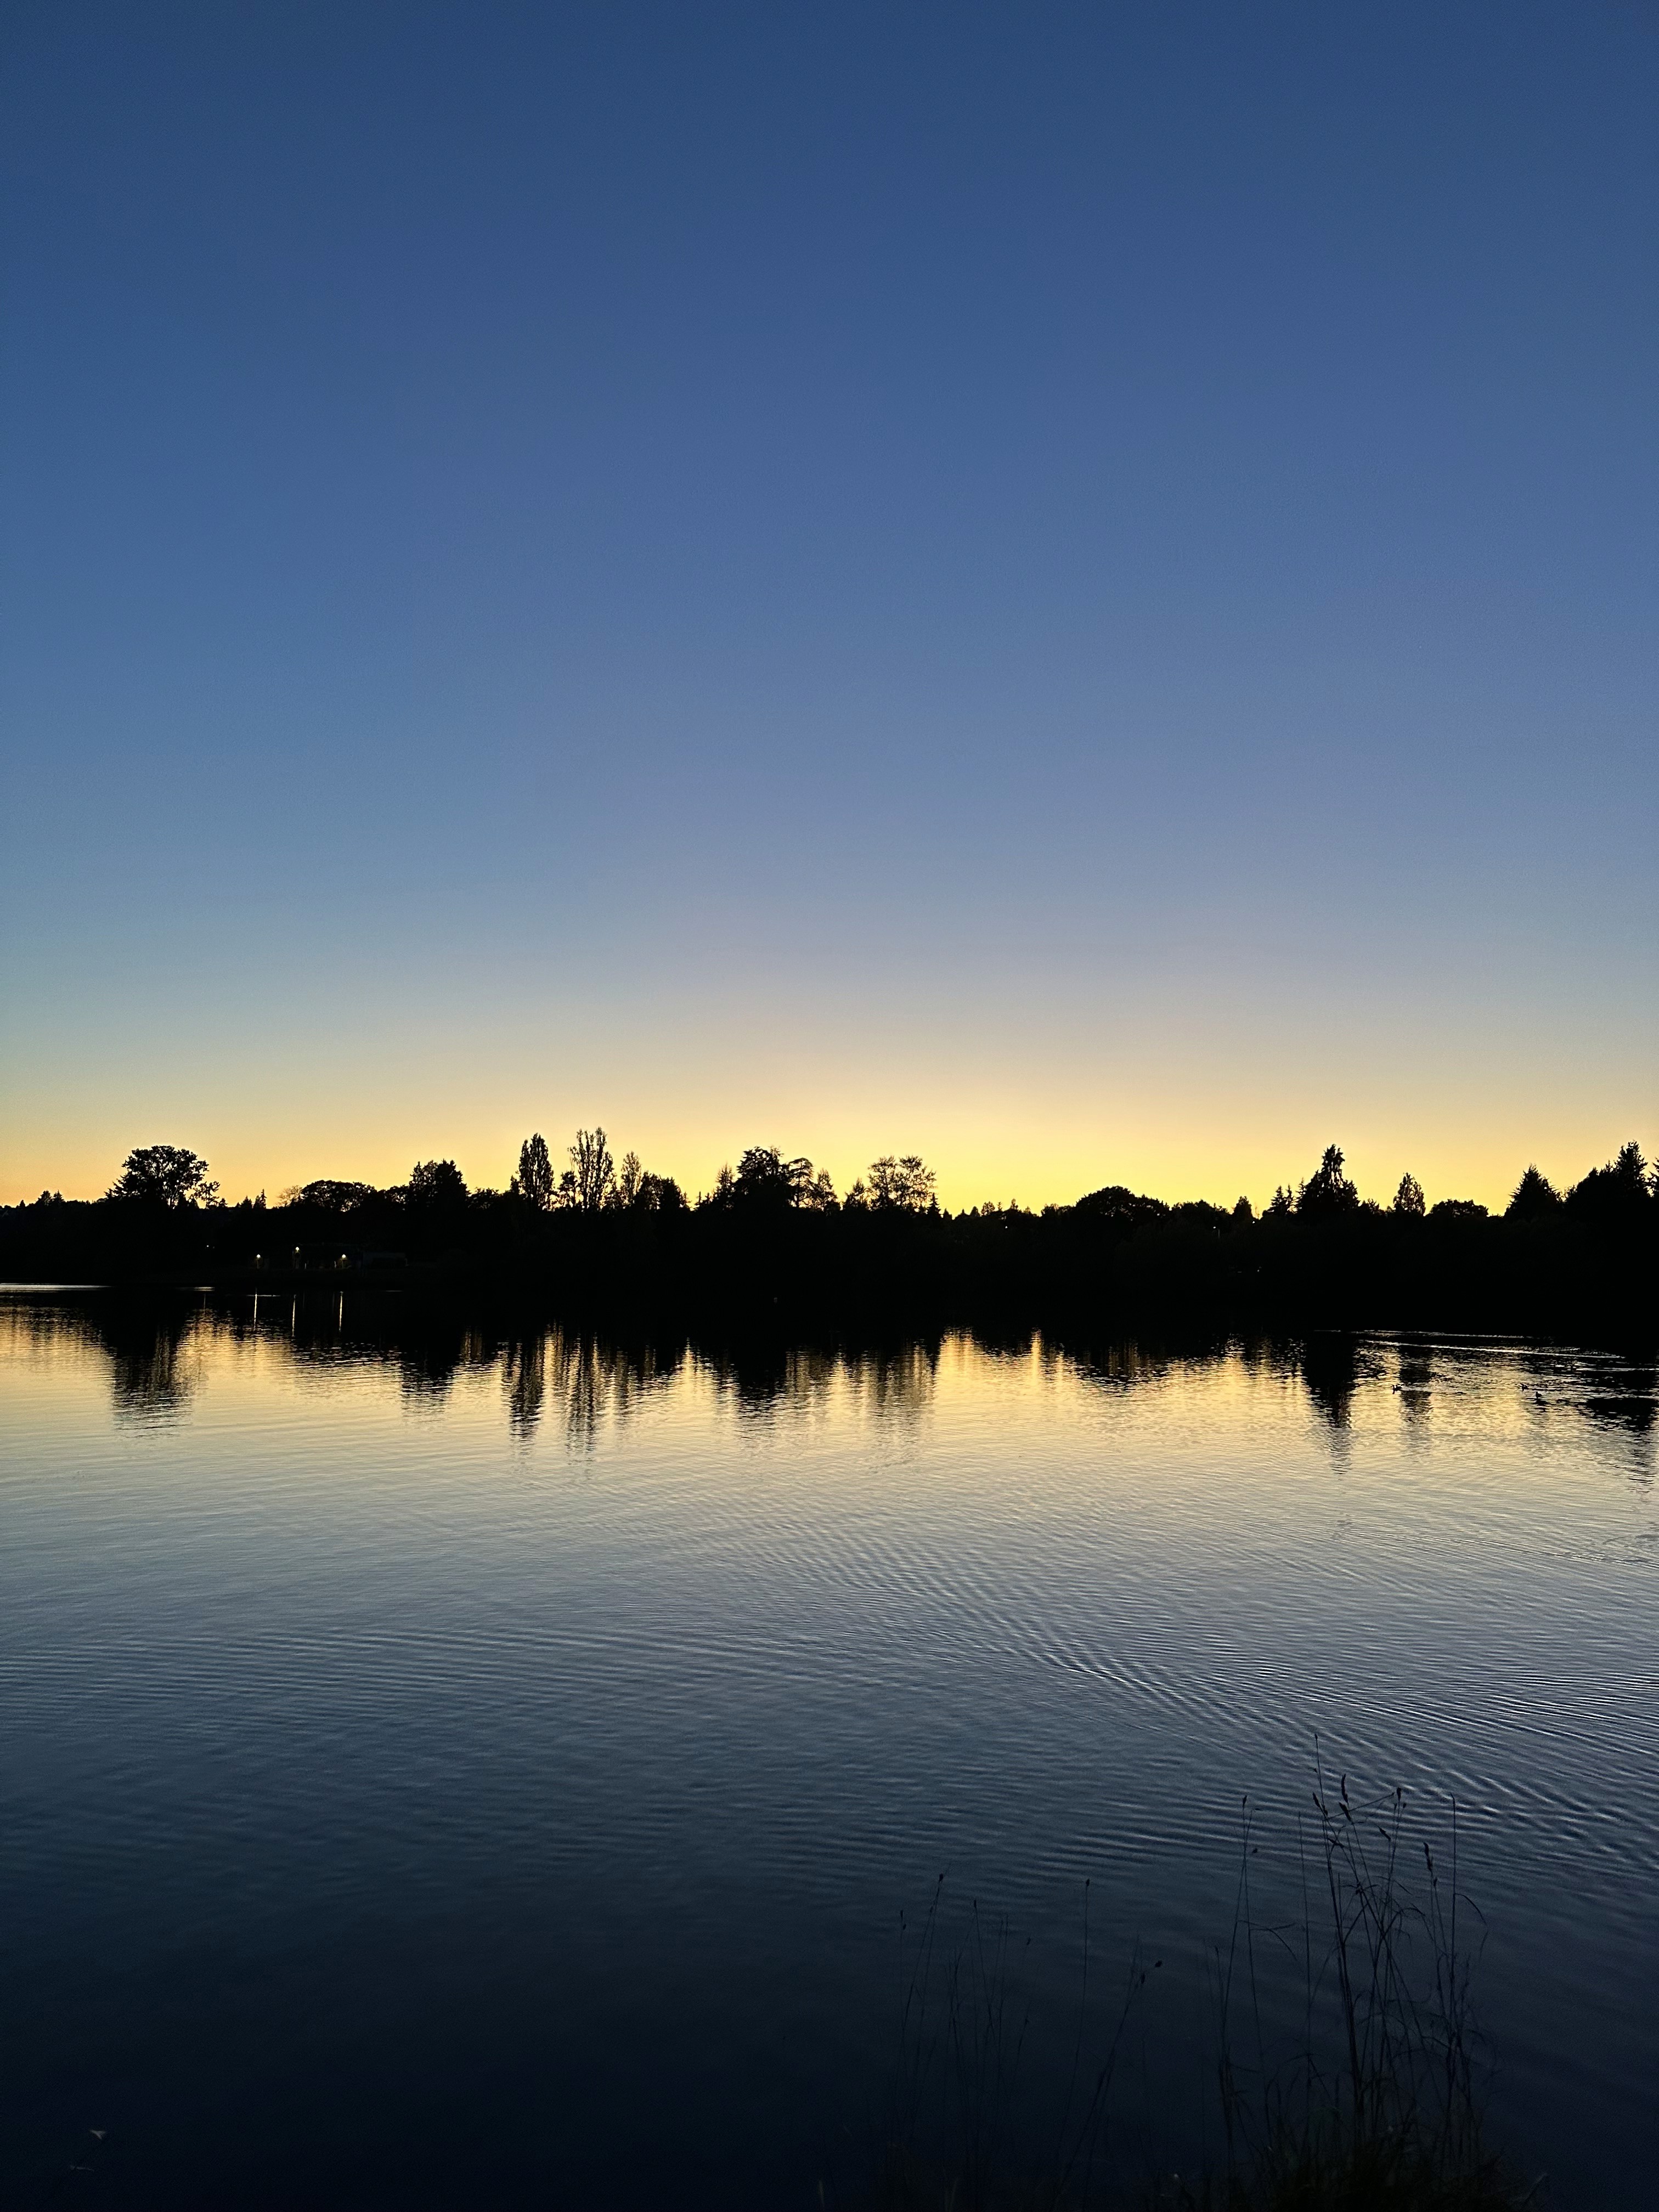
(448, 1768)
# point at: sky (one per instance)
(1068, 589)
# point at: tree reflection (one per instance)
(1332, 1369)
(769, 1376)
(1629, 1406)
(897, 1382)
(755, 1370)
(524, 1373)
(154, 1363)
(586, 1379)
(1415, 1382)
(426, 1369)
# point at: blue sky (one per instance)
(1071, 589)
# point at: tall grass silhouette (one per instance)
(1373, 2104)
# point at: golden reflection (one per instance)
(589, 1382)
(155, 1357)
(158, 1361)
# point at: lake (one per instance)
(446, 1762)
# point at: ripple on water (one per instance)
(604, 1667)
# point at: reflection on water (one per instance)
(448, 1758)
(154, 1353)
(1332, 1367)
(583, 1382)
(579, 1381)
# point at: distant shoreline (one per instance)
(773, 1244)
(1478, 1277)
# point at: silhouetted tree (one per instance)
(767, 1182)
(330, 1196)
(630, 1177)
(1408, 1198)
(1243, 1214)
(433, 1184)
(901, 1185)
(1190, 1212)
(1327, 1190)
(1632, 1169)
(164, 1174)
(595, 1171)
(1534, 1198)
(1618, 1192)
(658, 1195)
(1114, 1202)
(820, 1196)
(1458, 1209)
(534, 1181)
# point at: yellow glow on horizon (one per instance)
(981, 1150)
(1037, 1088)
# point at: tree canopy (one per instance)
(534, 1181)
(1534, 1198)
(1618, 1192)
(1409, 1200)
(330, 1196)
(903, 1185)
(436, 1183)
(593, 1170)
(1327, 1190)
(1114, 1201)
(765, 1180)
(164, 1174)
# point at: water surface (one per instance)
(443, 1764)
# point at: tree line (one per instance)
(765, 1179)
(170, 1178)
(772, 1235)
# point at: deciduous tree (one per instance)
(436, 1183)
(1408, 1198)
(766, 1180)
(903, 1185)
(328, 1196)
(594, 1168)
(164, 1174)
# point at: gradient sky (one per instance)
(1070, 589)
